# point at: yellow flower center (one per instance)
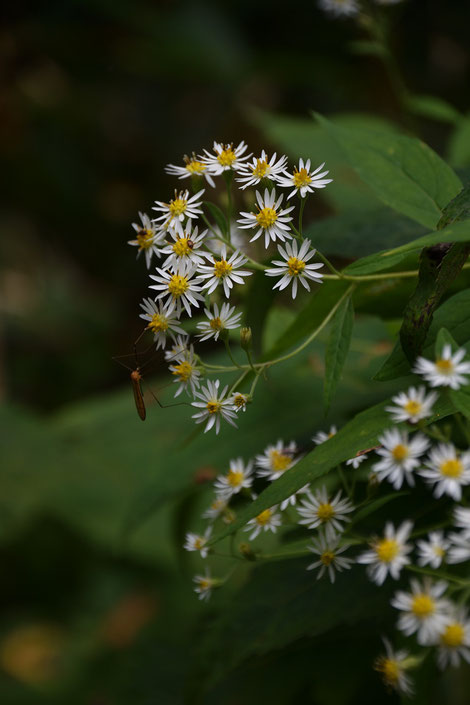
(145, 238)
(438, 551)
(181, 246)
(327, 557)
(445, 367)
(390, 670)
(205, 584)
(239, 400)
(184, 371)
(412, 407)
(199, 542)
(422, 605)
(213, 407)
(280, 461)
(295, 266)
(325, 512)
(387, 550)
(453, 635)
(222, 268)
(178, 285)
(227, 156)
(261, 168)
(264, 517)
(216, 323)
(158, 323)
(266, 217)
(234, 478)
(301, 178)
(177, 206)
(451, 468)
(400, 452)
(195, 167)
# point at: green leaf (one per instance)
(337, 349)
(402, 171)
(218, 215)
(459, 144)
(429, 106)
(444, 338)
(461, 401)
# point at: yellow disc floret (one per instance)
(400, 452)
(222, 268)
(216, 323)
(327, 557)
(451, 468)
(445, 367)
(423, 605)
(263, 518)
(301, 178)
(325, 512)
(213, 407)
(454, 635)
(280, 461)
(183, 370)
(390, 669)
(261, 169)
(387, 550)
(413, 407)
(194, 166)
(227, 156)
(295, 266)
(178, 285)
(158, 323)
(266, 217)
(145, 238)
(181, 247)
(234, 478)
(177, 206)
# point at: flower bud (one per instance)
(245, 338)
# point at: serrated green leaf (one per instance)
(435, 108)
(218, 215)
(402, 171)
(337, 349)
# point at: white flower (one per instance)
(179, 347)
(462, 518)
(196, 542)
(276, 459)
(183, 249)
(205, 584)
(268, 520)
(270, 219)
(161, 322)
(400, 456)
(321, 436)
(319, 510)
(223, 271)
(193, 166)
(328, 550)
(454, 639)
(238, 477)
(291, 501)
(214, 406)
(148, 238)
(222, 319)
(179, 209)
(447, 471)
(446, 371)
(357, 460)
(303, 180)
(216, 509)
(392, 666)
(294, 267)
(412, 405)
(225, 158)
(239, 401)
(459, 551)
(425, 611)
(388, 555)
(261, 168)
(348, 8)
(186, 372)
(180, 286)
(432, 552)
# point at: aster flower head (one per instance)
(216, 509)
(182, 248)
(239, 401)
(304, 181)
(239, 476)
(179, 209)
(340, 8)
(328, 549)
(268, 520)
(433, 551)
(448, 470)
(392, 667)
(261, 168)
(148, 238)
(205, 584)
(161, 320)
(291, 501)
(179, 347)
(388, 555)
(276, 459)
(196, 542)
(193, 166)
(357, 460)
(225, 158)
(459, 551)
(413, 405)
(214, 405)
(400, 456)
(323, 436)
(271, 220)
(186, 372)
(453, 640)
(424, 609)
(320, 511)
(180, 286)
(462, 518)
(223, 271)
(218, 321)
(447, 371)
(294, 268)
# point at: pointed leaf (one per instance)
(337, 349)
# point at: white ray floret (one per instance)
(462, 518)
(400, 456)
(196, 542)
(225, 158)
(291, 501)
(459, 551)
(424, 609)
(239, 401)
(318, 510)
(433, 551)
(183, 248)
(179, 209)
(214, 405)
(447, 371)
(239, 476)
(357, 460)
(340, 8)
(388, 555)
(328, 550)
(323, 436)
(271, 220)
(293, 267)
(193, 166)
(276, 459)
(219, 320)
(447, 470)
(149, 237)
(180, 286)
(304, 181)
(186, 371)
(454, 639)
(223, 271)
(260, 168)
(269, 520)
(160, 320)
(412, 405)
(179, 347)
(216, 509)
(205, 584)
(393, 666)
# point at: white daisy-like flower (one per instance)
(400, 456)
(220, 320)
(184, 248)
(357, 460)
(447, 371)
(180, 286)
(214, 406)
(393, 666)
(225, 158)
(412, 405)
(328, 550)
(433, 551)
(205, 584)
(303, 180)
(186, 372)
(238, 477)
(294, 268)
(323, 436)
(291, 501)
(196, 542)
(223, 271)
(388, 555)
(261, 168)
(448, 471)
(459, 551)
(148, 238)
(270, 219)
(179, 209)
(454, 639)
(276, 459)
(179, 347)
(268, 520)
(462, 518)
(340, 8)
(239, 401)
(193, 166)
(319, 510)
(424, 609)
(160, 320)
(216, 509)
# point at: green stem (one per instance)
(439, 574)
(326, 261)
(344, 482)
(228, 175)
(229, 352)
(301, 213)
(238, 381)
